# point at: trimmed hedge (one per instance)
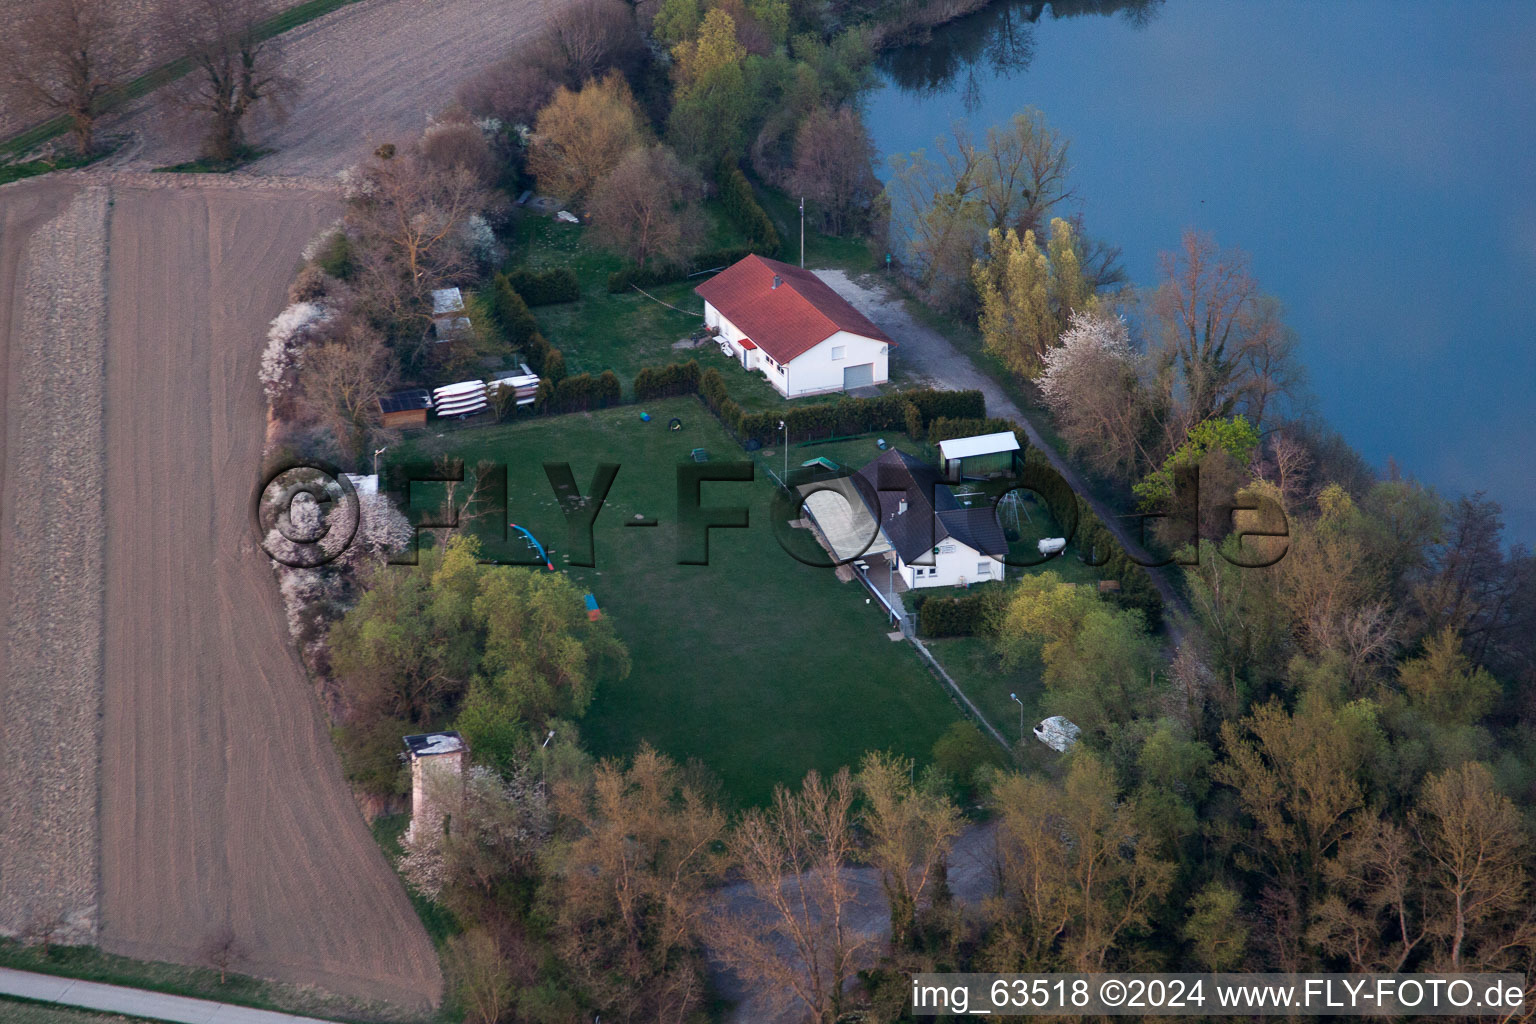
(558, 285)
(946, 427)
(742, 207)
(953, 616)
(580, 393)
(834, 419)
(666, 273)
(667, 381)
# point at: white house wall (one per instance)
(816, 370)
(955, 564)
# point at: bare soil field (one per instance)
(368, 73)
(222, 799)
(51, 344)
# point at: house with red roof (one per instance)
(786, 323)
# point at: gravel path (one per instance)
(928, 355)
(53, 278)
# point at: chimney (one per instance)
(777, 280)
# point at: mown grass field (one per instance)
(756, 664)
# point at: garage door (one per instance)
(861, 376)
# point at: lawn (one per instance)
(757, 665)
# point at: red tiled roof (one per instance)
(785, 321)
(748, 343)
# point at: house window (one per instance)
(983, 568)
(838, 351)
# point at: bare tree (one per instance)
(646, 207)
(235, 67)
(411, 220)
(834, 159)
(42, 928)
(344, 378)
(911, 830)
(800, 941)
(221, 950)
(587, 38)
(65, 56)
(1224, 340)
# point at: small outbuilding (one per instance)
(981, 455)
(405, 408)
(438, 762)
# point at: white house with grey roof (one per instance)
(935, 538)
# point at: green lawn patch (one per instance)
(22, 1011)
(755, 664)
(204, 165)
(29, 168)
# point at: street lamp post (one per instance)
(785, 427)
(1021, 715)
(376, 453)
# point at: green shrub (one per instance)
(512, 315)
(335, 256)
(954, 616)
(543, 289)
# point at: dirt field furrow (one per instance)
(51, 547)
(223, 802)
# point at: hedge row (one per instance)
(1136, 587)
(665, 273)
(954, 616)
(558, 285)
(946, 427)
(909, 411)
(667, 381)
(580, 393)
(511, 313)
(742, 207)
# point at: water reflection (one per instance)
(998, 40)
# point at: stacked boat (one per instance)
(524, 386)
(463, 399)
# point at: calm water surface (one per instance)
(1376, 158)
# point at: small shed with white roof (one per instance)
(979, 455)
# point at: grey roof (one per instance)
(400, 401)
(429, 743)
(932, 515)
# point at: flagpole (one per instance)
(802, 232)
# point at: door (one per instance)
(861, 376)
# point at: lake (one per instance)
(1376, 158)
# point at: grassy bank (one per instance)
(88, 963)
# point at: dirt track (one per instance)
(368, 73)
(222, 799)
